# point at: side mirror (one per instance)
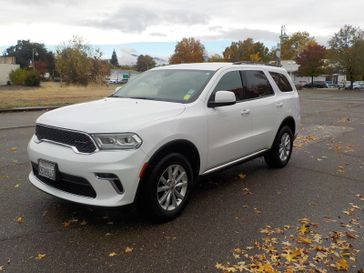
(223, 98)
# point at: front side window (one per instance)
(256, 84)
(281, 81)
(231, 81)
(174, 85)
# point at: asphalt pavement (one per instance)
(324, 182)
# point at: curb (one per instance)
(17, 127)
(27, 109)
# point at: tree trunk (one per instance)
(312, 81)
(351, 85)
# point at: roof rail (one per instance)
(254, 63)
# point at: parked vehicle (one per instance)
(150, 141)
(316, 84)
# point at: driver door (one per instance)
(229, 127)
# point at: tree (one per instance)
(23, 53)
(144, 63)
(246, 50)
(311, 61)
(347, 50)
(188, 50)
(78, 63)
(114, 59)
(216, 58)
(293, 45)
(99, 68)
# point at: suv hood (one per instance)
(111, 115)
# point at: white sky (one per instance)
(119, 22)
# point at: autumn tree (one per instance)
(188, 50)
(114, 59)
(311, 61)
(144, 63)
(246, 50)
(347, 47)
(99, 68)
(78, 63)
(294, 44)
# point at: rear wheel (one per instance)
(280, 153)
(166, 190)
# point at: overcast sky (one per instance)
(110, 22)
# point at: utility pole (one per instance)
(36, 54)
(282, 37)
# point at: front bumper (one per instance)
(125, 164)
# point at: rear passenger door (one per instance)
(264, 108)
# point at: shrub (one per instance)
(18, 76)
(32, 79)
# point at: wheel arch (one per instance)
(182, 146)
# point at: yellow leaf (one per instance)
(17, 186)
(20, 219)
(40, 256)
(342, 264)
(128, 249)
(303, 229)
(112, 254)
(13, 149)
(304, 240)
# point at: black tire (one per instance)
(148, 201)
(273, 157)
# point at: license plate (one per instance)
(47, 169)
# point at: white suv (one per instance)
(150, 141)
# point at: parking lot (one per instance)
(323, 182)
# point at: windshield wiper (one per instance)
(139, 98)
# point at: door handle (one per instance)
(245, 112)
(279, 105)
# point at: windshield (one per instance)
(175, 85)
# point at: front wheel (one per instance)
(166, 191)
(280, 153)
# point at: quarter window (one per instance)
(281, 81)
(231, 81)
(256, 84)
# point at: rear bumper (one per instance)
(125, 164)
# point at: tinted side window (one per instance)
(256, 84)
(281, 81)
(231, 81)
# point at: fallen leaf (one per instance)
(20, 219)
(257, 211)
(66, 224)
(128, 249)
(112, 254)
(242, 176)
(13, 149)
(40, 256)
(341, 265)
(247, 191)
(17, 186)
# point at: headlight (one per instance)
(118, 141)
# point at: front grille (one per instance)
(68, 183)
(82, 142)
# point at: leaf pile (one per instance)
(301, 248)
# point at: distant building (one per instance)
(292, 67)
(7, 64)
